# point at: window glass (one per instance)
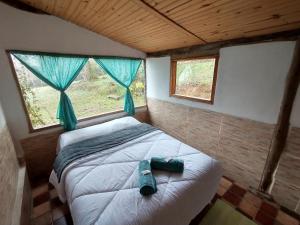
(194, 78)
(137, 87)
(92, 93)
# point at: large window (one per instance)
(92, 93)
(194, 79)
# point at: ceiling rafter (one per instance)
(162, 16)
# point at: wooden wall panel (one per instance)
(240, 144)
(142, 116)
(40, 151)
(286, 189)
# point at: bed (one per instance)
(102, 188)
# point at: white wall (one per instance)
(26, 31)
(250, 80)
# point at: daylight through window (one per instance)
(194, 79)
(92, 93)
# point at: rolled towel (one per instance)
(171, 165)
(147, 182)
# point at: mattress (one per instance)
(103, 188)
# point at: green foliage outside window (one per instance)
(92, 93)
(30, 99)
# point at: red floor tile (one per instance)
(55, 203)
(41, 198)
(41, 209)
(237, 190)
(269, 209)
(264, 219)
(43, 188)
(232, 198)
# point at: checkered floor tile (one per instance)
(48, 210)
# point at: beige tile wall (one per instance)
(286, 189)
(240, 144)
(9, 171)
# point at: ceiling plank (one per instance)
(198, 50)
(169, 21)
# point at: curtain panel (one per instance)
(58, 71)
(123, 71)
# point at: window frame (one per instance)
(29, 123)
(173, 70)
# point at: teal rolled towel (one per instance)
(147, 182)
(172, 165)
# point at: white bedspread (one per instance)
(102, 189)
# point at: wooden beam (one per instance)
(144, 5)
(282, 126)
(213, 48)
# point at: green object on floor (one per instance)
(223, 214)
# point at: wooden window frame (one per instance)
(29, 123)
(173, 79)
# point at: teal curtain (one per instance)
(123, 71)
(59, 72)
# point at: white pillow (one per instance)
(74, 136)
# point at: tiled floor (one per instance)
(48, 210)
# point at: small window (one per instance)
(92, 93)
(194, 79)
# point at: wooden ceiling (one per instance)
(156, 25)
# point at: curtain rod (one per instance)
(68, 54)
